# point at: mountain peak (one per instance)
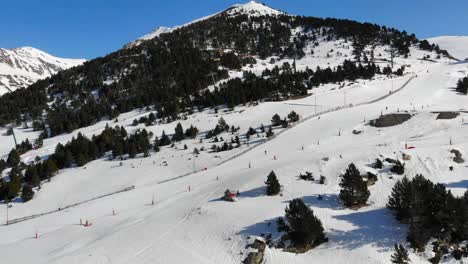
(253, 8)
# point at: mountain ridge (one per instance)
(22, 66)
(251, 8)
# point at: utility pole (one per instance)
(391, 76)
(14, 137)
(212, 77)
(194, 163)
(7, 213)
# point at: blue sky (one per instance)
(91, 28)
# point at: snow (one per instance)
(20, 67)
(253, 8)
(457, 46)
(197, 227)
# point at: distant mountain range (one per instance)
(23, 66)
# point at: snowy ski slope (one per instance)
(196, 227)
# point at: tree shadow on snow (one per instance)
(256, 192)
(375, 227)
(262, 229)
(331, 201)
(460, 184)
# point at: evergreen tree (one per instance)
(51, 168)
(276, 120)
(222, 124)
(400, 256)
(164, 140)
(27, 193)
(191, 132)
(13, 158)
(273, 185)
(399, 200)
(14, 185)
(354, 190)
(178, 133)
(302, 226)
(293, 117)
(398, 168)
(462, 86)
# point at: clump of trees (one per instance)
(398, 168)
(354, 192)
(24, 146)
(220, 127)
(302, 227)
(462, 86)
(430, 210)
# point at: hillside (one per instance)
(21, 67)
(120, 132)
(455, 45)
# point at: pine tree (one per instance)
(276, 120)
(51, 168)
(399, 200)
(302, 226)
(273, 185)
(293, 117)
(178, 133)
(398, 168)
(400, 256)
(27, 193)
(14, 185)
(354, 190)
(164, 140)
(222, 124)
(13, 158)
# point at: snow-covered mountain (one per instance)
(252, 8)
(164, 206)
(20, 67)
(457, 46)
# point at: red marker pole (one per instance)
(189, 188)
(36, 235)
